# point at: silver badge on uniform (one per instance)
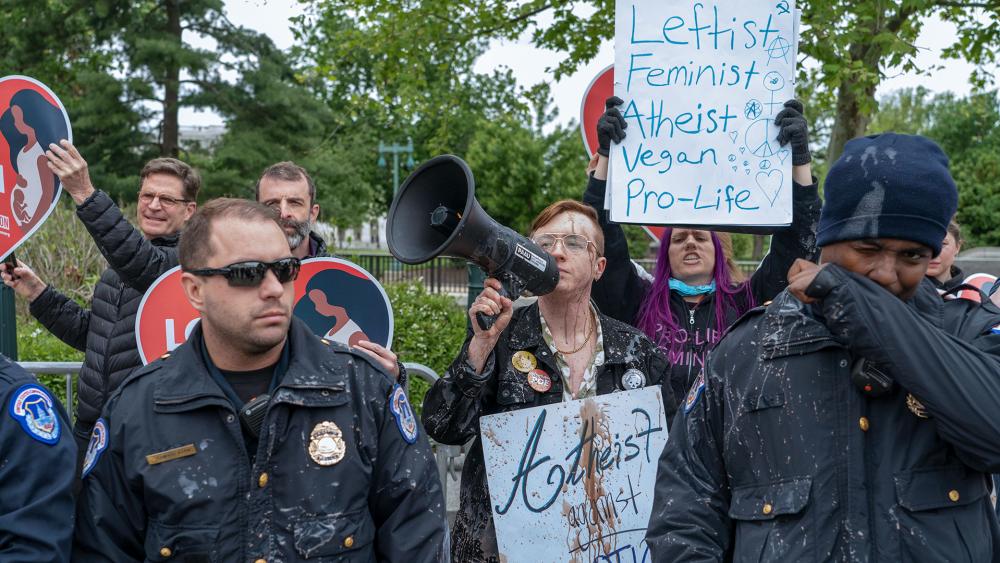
(633, 379)
(326, 444)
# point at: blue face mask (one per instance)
(691, 290)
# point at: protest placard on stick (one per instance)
(573, 481)
(702, 83)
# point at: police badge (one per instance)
(326, 444)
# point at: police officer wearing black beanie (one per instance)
(855, 417)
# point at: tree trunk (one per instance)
(849, 121)
(758, 247)
(171, 85)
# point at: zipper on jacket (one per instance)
(691, 316)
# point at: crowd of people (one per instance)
(840, 404)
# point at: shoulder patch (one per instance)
(33, 408)
(405, 421)
(98, 443)
(697, 388)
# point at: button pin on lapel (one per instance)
(539, 381)
(524, 361)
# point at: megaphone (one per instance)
(435, 213)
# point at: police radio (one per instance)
(870, 378)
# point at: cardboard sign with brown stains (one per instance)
(574, 481)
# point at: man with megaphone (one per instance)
(559, 348)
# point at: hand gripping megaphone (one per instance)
(435, 213)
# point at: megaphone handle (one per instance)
(486, 321)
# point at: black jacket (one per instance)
(317, 246)
(106, 331)
(621, 291)
(781, 457)
(380, 502)
(37, 472)
(455, 402)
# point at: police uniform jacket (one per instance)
(621, 291)
(106, 331)
(455, 402)
(779, 456)
(37, 471)
(175, 483)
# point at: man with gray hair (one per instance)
(287, 188)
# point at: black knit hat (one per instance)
(888, 186)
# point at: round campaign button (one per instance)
(524, 361)
(539, 380)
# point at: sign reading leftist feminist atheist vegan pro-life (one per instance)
(31, 117)
(573, 481)
(702, 83)
(338, 299)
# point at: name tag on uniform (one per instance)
(170, 455)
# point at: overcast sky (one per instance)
(529, 64)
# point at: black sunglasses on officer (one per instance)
(252, 272)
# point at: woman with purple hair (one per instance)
(697, 290)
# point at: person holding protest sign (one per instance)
(697, 290)
(559, 348)
(37, 471)
(106, 331)
(854, 418)
(256, 440)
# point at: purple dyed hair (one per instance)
(659, 322)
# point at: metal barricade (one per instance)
(66, 369)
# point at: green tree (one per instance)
(854, 42)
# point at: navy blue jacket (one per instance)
(37, 471)
(204, 501)
(779, 456)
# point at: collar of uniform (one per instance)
(526, 333)
(186, 379)
(311, 363)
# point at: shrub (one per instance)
(429, 329)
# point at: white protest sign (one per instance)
(574, 481)
(702, 83)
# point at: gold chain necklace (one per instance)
(590, 332)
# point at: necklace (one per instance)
(590, 332)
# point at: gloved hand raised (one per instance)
(611, 126)
(794, 130)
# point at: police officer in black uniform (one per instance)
(256, 440)
(37, 471)
(855, 417)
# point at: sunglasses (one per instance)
(572, 242)
(251, 273)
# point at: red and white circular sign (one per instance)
(338, 299)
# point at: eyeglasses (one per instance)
(165, 200)
(251, 273)
(571, 242)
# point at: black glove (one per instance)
(794, 130)
(611, 126)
